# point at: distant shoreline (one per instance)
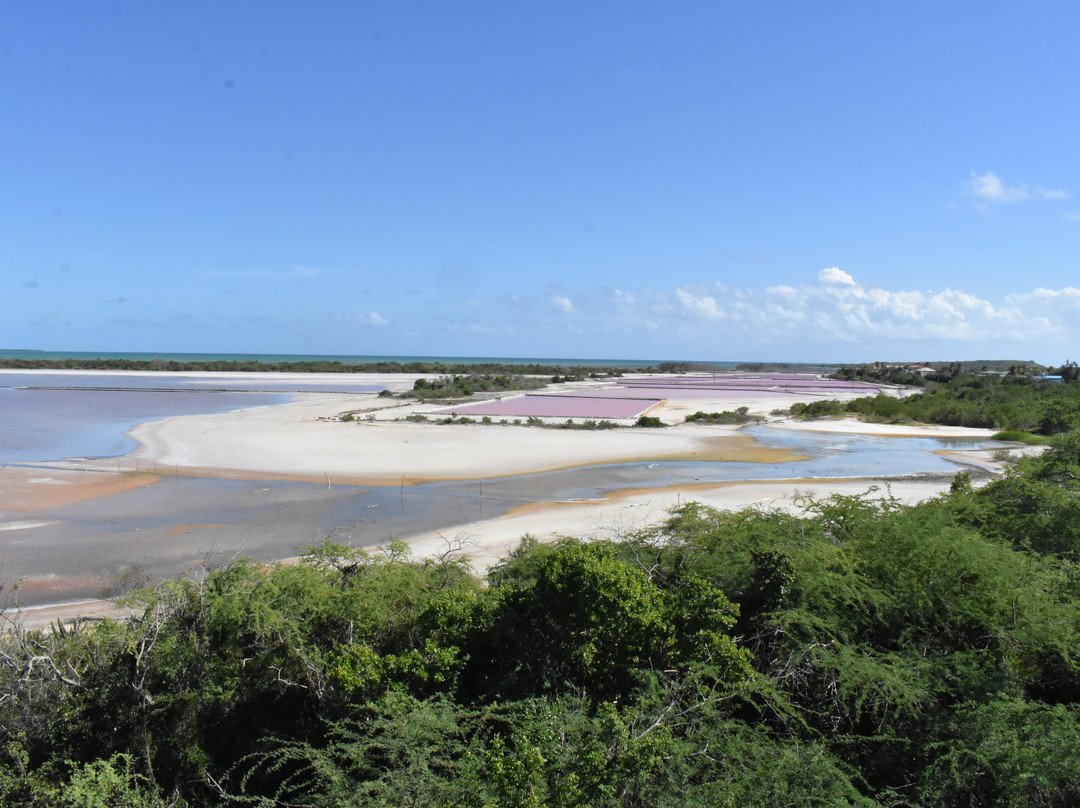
(348, 359)
(106, 360)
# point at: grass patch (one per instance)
(1020, 436)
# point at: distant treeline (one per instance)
(315, 366)
(783, 367)
(465, 386)
(1018, 401)
(918, 375)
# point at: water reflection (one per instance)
(53, 416)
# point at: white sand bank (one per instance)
(294, 440)
(853, 426)
(484, 543)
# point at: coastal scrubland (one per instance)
(1020, 400)
(842, 650)
(862, 652)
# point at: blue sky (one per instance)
(801, 181)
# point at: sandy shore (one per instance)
(296, 440)
(307, 440)
(853, 426)
(486, 542)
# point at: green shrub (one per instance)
(649, 421)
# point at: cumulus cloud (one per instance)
(1048, 303)
(623, 301)
(564, 304)
(835, 275)
(372, 318)
(700, 304)
(989, 188)
(836, 309)
(829, 315)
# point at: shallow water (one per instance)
(59, 416)
(55, 424)
(176, 524)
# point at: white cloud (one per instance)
(835, 275)
(837, 309)
(1055, 193)
(1072, 217)
(372, 319)
(563, 303)
(989, 188)
(830, 315)
(1061, 304)
(700, 305)
(624, 301)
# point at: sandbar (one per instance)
(305, 440)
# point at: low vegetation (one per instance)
(469, 384)
(585, 423)
(823, 408)
(737, 416)
(649, 421)
(1019, 402)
